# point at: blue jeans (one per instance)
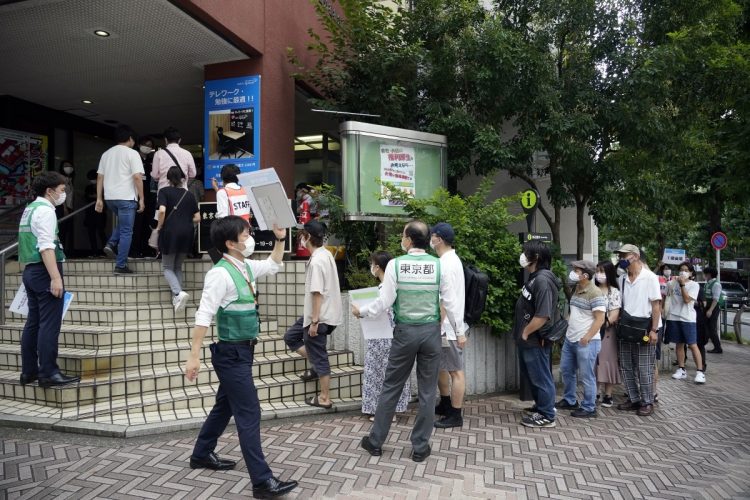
(535, 362)
(122, 234)
(582, 359)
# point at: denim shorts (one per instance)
(682, 332)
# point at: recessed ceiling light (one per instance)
(101, 33)
(86, 101)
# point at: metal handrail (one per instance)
(11, 250)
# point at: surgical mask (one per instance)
(685, 274)
(68, 170)
(373, 271)
(249, 247)
(623, 264)
(403, 247)
(303, 241)
(60, 199)
(601, 278)
(523, 261)
(667, 273)
(432, 245)
(145, 150)
(574, 277)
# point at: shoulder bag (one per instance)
(555, 328)
(631, 328)
(153, 240)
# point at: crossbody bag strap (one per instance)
(177, 205)
(176, 162)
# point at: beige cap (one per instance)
(630, 249)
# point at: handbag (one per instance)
(153, 240)
(630, 328)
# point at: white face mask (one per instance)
(60, 199)
(523, 261)
(303, 241)
(145, 149)
(249, 247)
(373, 271)
(574, 277)
(601, 278)
(68, 170)
(432, 245)
(667, 273)
(685, 274)
(403, 247)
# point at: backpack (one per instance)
(476, 284)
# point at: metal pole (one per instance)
(2, 288)
(718, 265)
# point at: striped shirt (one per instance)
(583, 303)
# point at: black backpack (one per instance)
(476, 283)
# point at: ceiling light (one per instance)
(86, 101)
(101, 33)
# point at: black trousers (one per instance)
(713, 328)
(42, 329)
(236, 397)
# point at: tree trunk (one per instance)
(580, 230)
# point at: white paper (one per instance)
(674, 256)
(268, 199)
(378, 327)
(20, 304)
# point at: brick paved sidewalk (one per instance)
(696, 445)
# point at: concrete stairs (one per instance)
(123, 338)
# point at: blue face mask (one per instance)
(623, 264)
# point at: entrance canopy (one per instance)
(143, 68)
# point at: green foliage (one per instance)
(482, 239)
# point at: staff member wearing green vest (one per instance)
(39, 248)
(415, 285)
(229, 293)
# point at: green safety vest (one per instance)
(28, 245)
(708, 293)
(417, 289)
(239, 319)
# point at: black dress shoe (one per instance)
(273, 488)
(421, 457)
(123, 270)
(716, 351)
(27, 379)
(212, 461)
(452, 420)
(57, 379)
(371, 448)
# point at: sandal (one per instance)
(313, 401)
(309, 375)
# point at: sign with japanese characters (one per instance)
(674, 256)
(417, 271)
(264, 240)
(398, 168)
(231, 125)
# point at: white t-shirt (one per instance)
(636, 297)
(678, 309)
(452, 270)
(118, 165)
(323, 277)
(583, 304)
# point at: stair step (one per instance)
(114, 315)
(93, 363)
(107, 297)
(97, 337)
(151, 385)
(113, 281)
(102, 266)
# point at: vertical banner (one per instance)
(231, 125)
(22, 156)
(397, 167)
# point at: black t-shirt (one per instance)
(538, 298)
(177, 234)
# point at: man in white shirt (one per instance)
(416, 287)
(451, 381)
(322, 313)
(641, 298)
(40, 250)
(170, 156)
(120, 182)
(229, 294)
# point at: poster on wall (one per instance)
(398, 168)
(22, 156)
(231, 129)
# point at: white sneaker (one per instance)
(700, 378)
(180, 301)
(680, 374)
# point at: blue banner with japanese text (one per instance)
(231, 125)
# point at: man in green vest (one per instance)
(229, 293)
(713, 304)
(39, 248)
(414, 285)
